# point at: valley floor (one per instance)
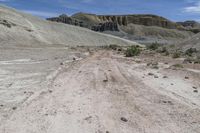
(108, 93)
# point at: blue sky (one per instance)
(176, 10)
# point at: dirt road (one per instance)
(107, 94)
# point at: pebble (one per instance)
(196, 91)
(124, 119)
(165, 77)
(186, 77)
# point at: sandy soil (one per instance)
(107, 93)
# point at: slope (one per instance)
(20, 29)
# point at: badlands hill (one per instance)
(141, 28)
(193, 42)
(20, 29)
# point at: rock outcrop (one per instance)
(147, 20)
(191, 26)
(67, 20)
(146, 28)
(108, 22)
(107, 26)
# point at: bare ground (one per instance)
(107, 93)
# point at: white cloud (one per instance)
(41, 13)
(193, 9)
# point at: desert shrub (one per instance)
(132, 51)
(153, 46)
(153, 65)
(177, 66)
(197, 61)
(113, 46)
(192, 60)
(176, 54)
(164, 51)
(172, 46)
(190, 51)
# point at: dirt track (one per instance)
(105, 94)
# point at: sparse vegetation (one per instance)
(191, 51)
(113, 46)
(153, 65)
(178, 66)
(132, 51)
(176, 54)
(153, 46)
(164, 51)
(192, 60)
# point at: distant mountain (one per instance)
(144, 28)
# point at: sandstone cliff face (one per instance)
(67, 20)
(107, 26)
(151, 27)
(147, 20)
(93, 21)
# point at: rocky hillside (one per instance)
(90, 20)
(141, 28)
(191, 26)
(193, 42)
(20, 29)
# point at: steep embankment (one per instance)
(20, 29)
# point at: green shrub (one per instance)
(132, 51)
(153, 46)
(190, 51)
(177, 54)
(178, 66)
(192, 60)
(164, 51)
(113, 46)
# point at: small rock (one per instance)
(124, 119)
(164, 101)
(107, 132)
(186, 77)
(74, 58)
(50, 91)
(172, 84)
(156, 77)
(194, 87)
(194, 103)
(61, 63)
(151, 74)
(1, 105)
(169, 102)
(14, 108)
(165, 77)
(196, 91)
(105, 80)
